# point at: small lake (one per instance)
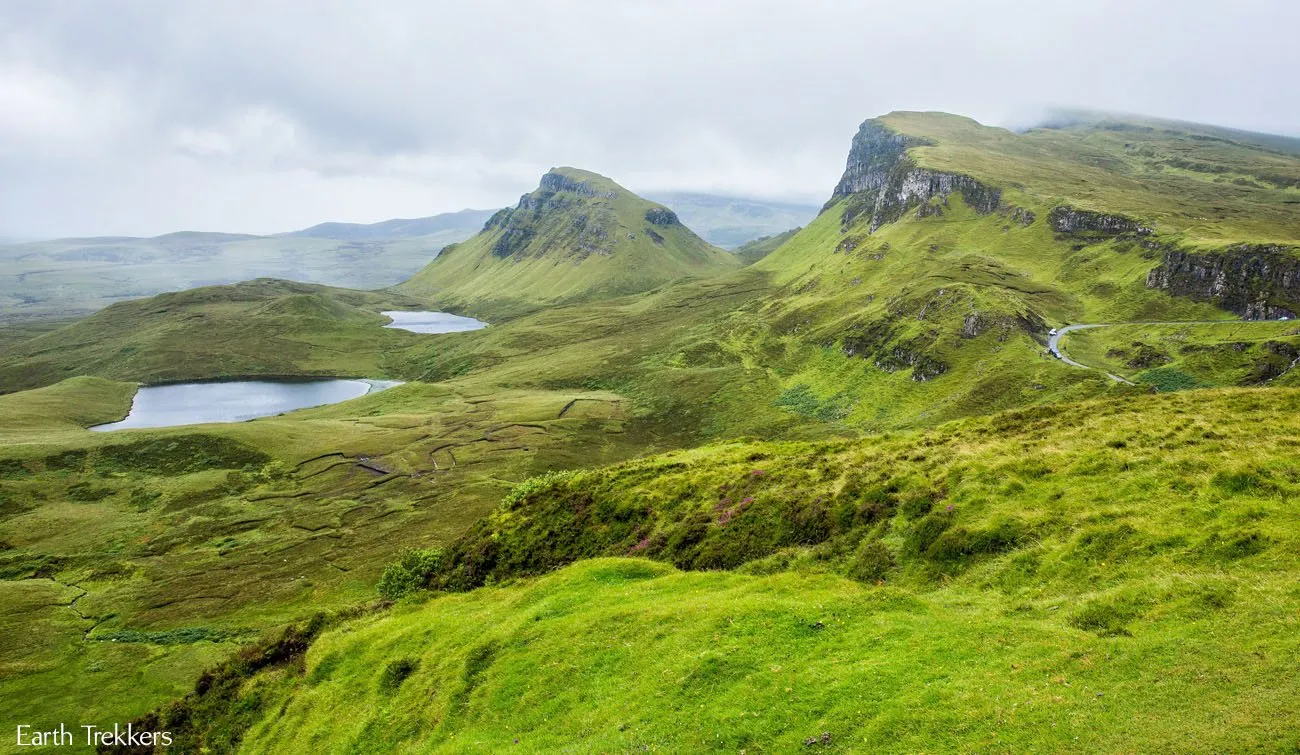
(235, 400)
(432, 322)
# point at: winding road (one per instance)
(1054, 346)
(1054, 341)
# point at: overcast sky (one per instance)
(267, 115)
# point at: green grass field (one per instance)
(1103, 576)
(178, 545)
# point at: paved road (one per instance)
(1054, 342)
(1054, 346)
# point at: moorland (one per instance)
(830, 490)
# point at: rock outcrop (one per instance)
(556, 182)
(883, 183)
(1065, 219)
(661, 216)
(556, 194)
(1258, 282)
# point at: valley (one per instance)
(832, 487)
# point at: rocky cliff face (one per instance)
(883, 183)
(557, 196)
(1258, 282)
(1065, 219)
(556, 182)
(660, 216)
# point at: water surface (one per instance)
(235, 400)
(432, 322)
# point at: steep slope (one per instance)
(578, 237)
(260, 327)
(918, 295)
(949, 249)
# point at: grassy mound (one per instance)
(261, 327)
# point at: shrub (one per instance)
(926, 531)
(1108, 618)
(522, 491)
(1165, 379)
(872, 562)
(410, 572)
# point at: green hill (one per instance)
(578, 237)
(260, 327)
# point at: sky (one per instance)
(140, 118)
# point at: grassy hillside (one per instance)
(578, 237)
(753, 251)
(130, 561)
(261, 327)
(1101, 576)
(1198, 187)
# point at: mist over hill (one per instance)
(729, 222)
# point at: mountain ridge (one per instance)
(578, 237)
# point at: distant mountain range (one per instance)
(75, 276)
(468, 221)
(729, 222)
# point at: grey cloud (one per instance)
(276, 114)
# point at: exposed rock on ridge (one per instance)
(554, 182)
(660, 216)
(1258, 282)
(883, 183)
(1066, 219)
(555, 192)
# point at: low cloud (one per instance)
(143, 117)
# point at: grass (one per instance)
(753, 251)
(1050, 594)
(261, 327)
(158, 552)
